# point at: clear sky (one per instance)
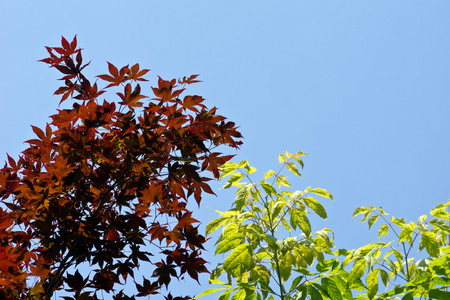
(363, 87)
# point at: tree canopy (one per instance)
(272, 251)
(106, 183)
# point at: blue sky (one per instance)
(361, 86)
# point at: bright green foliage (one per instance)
(271, 251)
(259, 255)
(425, 278)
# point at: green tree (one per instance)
(273, 253)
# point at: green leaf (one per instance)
(372, 220)
(268, 188)
(242, 164)
(239, 295)
(372, 283)
(360, 210)
(286, 225)
(227, 169)
(271, 241)
(441, 213)
(216, 281)
(429, 241)
(316, 207)
(366, 215)
(304, 256)
(399, 222)
(265, 286)
(325, 265)
(230, 242)
(323, 235)
(216, 273)
(406, 233)
(298, 218)
(281, 158)
(296, 282)
(226, 295)
(371, 261)
(304, 271)
(241, 196)
(442, 225)
(250, 170)
(253, 296)
(233, 180)
(399, 256)
(383, 231)
(239, 260)
(439, 294)
(282, 181)
(315, 294)
(299, 153)
(330, 286)
(260, 273)
(300, 161)
(214, 224)
(286, 262)
(209, 291)
(322, 192)
(269, 174)
(382, 211)
(254, 232)
(408, 296)
(358, 270)
(422, 265)
(384, 277)
(293, 168)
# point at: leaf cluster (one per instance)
(252, 233)
(271, 251)
(106, 184)
(425, 277)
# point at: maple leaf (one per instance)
(116, 77)
(189, 80)
(164, 272)
(131, 98)
(185, 219)
(164, 90)
(157, 232)
(193, 238)
(146, 289)
(191, 103)
(194, 265)
(135, 74)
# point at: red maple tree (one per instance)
(107, 184)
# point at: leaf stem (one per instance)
(276, 258)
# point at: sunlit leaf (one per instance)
(330, 286)
(372, 283)
(383, 231)
(230, 242)
(442, 225)
(269, 174)
(293, 168)
(372, 220)
(322, 192)
(209, 291)
(233, 180)
(239, 260)
(282, 181)
(316, 207)
(428, 241)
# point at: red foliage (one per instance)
(107, 184)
